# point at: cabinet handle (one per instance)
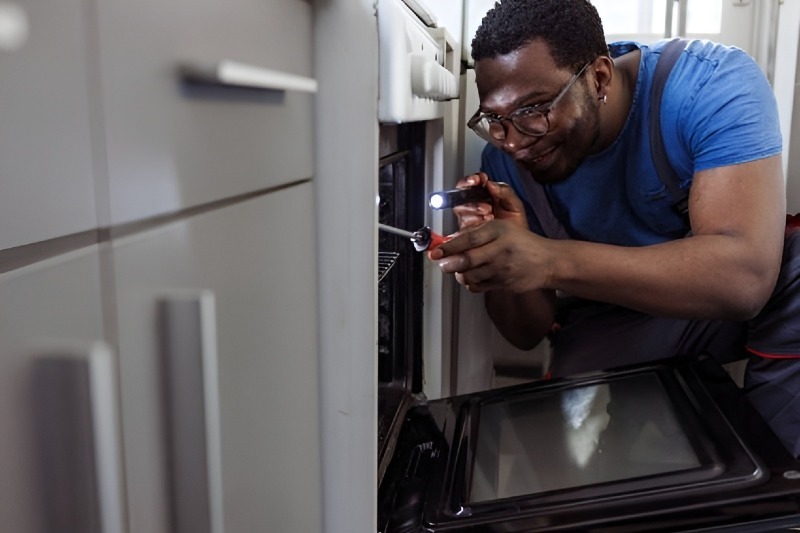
(189, 354)
(77, 427)
(238, 74)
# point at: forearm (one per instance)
(523, 319)
(701, 277)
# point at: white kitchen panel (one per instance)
(258, 259)
(474, 11)
(449, 15)
(172, 144)
(46, 181)
(417, 70)
(51, 304)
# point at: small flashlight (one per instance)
(455, 197)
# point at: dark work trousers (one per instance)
(596, 336)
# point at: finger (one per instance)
(481, 279)
(479, 178)
(477, 209)
(476, 221)
(505, 197)
(473, 221)
(453, 264)
(475, 181)
(470, 238)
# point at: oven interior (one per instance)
(401, 204)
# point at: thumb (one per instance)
(506, 202)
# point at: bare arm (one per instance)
(523, 319)
(726, 270)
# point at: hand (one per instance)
(499, 254)
(474, 214)
(505, 204)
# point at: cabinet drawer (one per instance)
(171, 145)
(46, 182)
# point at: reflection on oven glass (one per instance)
(586, 417)
(622, 429)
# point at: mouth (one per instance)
(539, 158)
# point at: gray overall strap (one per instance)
(669, 56)
(551, 226)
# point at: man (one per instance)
(585, 237)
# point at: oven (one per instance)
(664, 446)
(418, 80)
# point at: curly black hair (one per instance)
(572, 28)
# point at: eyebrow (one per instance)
(519, 102)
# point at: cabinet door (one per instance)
(46, 183)
(258, 260)
(171, 144)
(48, 307)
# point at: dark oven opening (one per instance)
(401, 204)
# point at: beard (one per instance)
(572, 144)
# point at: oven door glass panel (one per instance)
(671, 442)
(565, 438)
(638, 435)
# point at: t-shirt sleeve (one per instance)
(723, 108)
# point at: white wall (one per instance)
(787, 91)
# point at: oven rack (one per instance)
(386, 260)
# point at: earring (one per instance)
(605, 99)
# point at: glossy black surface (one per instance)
(692, 456)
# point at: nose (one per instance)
(515, 140)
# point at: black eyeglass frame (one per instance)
(538, 109)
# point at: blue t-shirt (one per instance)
(717, 110)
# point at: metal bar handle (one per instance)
(236, 74)
(189, 356)
(77, 429)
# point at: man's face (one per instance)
(527, 77)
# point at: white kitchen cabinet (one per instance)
(46, 177)
(100, 136)
(258, 259)
(45, 309)
(172, 145)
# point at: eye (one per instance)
(530, 110)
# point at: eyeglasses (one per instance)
(531, 120)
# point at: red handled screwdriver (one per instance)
(423, 238)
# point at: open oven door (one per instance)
(662, 447)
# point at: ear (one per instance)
(603, 68)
